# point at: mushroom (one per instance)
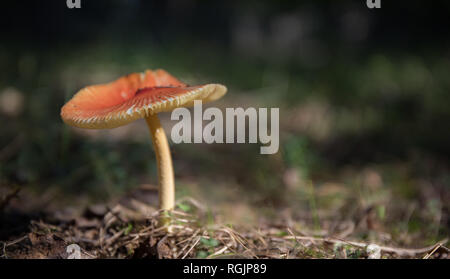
(139, 95)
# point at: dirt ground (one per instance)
(128, 228)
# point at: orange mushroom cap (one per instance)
(132, 97)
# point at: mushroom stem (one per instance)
(164, 160)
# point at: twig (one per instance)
(398, 251)
(6, 244)
(241, 240)
(113, 238)
(192, 247)
(221, 251)
(432, 252)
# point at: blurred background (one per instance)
(363, 95)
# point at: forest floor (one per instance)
(127, 228)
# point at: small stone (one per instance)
(373, 251)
